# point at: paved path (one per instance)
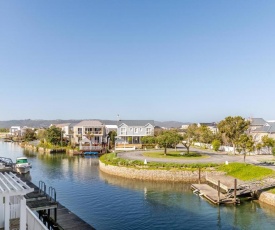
(212, 158)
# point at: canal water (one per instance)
(108, 202)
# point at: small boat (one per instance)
(22, 165)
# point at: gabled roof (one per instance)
(89, 123)
(257, 121)
(267, 128)
(136, 122)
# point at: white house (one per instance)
(93, 130)
(131, 131)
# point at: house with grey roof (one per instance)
(93, 130)
(131, 131)
(256, 123)
(268, 129)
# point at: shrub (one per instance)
(216, 144)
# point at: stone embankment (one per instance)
(156, 175)
(266, 197)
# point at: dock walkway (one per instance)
(60, 218)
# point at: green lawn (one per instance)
(111, 159)
(246, 172)
(175, 155)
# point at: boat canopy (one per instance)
(21, 160)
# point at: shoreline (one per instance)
(173, 176)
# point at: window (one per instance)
(123, 131)
(79, 130)
(148, 131)
(136, 130)
(88, 130)
(131, 129)
(140, 129)
(96, 140)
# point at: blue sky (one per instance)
(194, 61)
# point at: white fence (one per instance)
(33, 221)
(230, 149)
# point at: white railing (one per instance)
(33, 221)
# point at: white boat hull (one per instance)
(22, 169)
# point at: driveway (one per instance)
(213, 157)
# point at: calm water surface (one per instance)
(108, 202)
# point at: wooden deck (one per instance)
(226, 182)
(211, 194)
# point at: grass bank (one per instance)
(246, 172)
(111, 159)
(175, 155)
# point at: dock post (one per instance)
(55, 215)
(199, 175)
(219, 192)
(235, 190)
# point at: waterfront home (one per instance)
(131, 131)
(93, 130)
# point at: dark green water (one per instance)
(108, 202)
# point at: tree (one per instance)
(205, 134)
(41, 135)
(53, 135)
(233, 128)
(268, 142)
(190, 136)
(258, 147)
(168, 138)
(4, 130)
(216, 144)
(245, 144)
(150, 140)
(112, 135)
(29, 135)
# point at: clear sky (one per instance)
(185, 60)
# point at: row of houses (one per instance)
(132, 131)
(96, 131)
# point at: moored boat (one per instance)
(22, 165)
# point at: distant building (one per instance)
(15, 130)
(212, 126)
(259, 128)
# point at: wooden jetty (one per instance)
(225, 189)
(213, 195)
(52, 213)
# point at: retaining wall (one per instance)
(156, 175)
(266, 197)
